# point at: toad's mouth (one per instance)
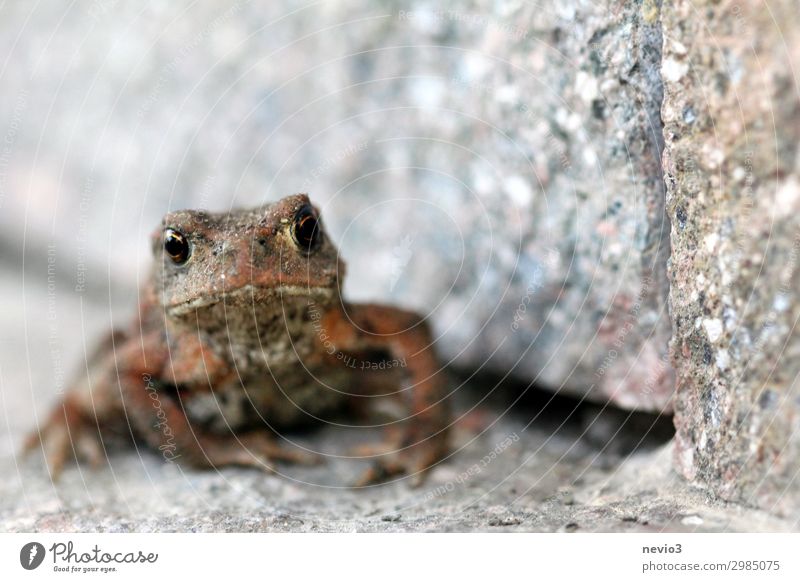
(251, 296)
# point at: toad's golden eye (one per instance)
(176, 246)
(306, 229)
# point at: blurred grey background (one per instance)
(496, 166)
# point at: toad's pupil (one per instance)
(176, 246)
(306, 229)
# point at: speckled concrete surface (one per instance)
(732, 127)
(540, 464)
(513, 495)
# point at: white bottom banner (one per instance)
(405, 557)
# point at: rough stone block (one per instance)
(732, 127)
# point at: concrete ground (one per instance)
(542, 464)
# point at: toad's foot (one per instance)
(415, 460)
(67, 434)
(256, 450)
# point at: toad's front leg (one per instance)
(128, 387)
(156, 403)
(109, 396)
(407, 338)
(160, 418)
(91, 404)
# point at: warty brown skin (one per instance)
(241, 336)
